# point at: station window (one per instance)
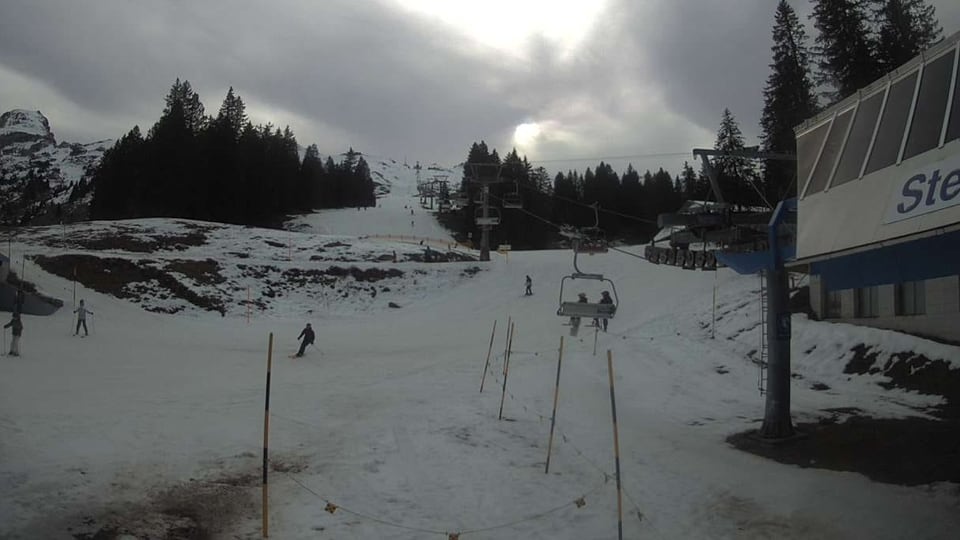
(821, 173)
(867, 302)
(911, 298)
(892, 124)
(808, 146)
(859, 140)
(832, 306)
(931, 104)
(953, 129)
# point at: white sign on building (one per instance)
(934, 187)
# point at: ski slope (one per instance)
(154, 423)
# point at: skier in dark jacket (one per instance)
(17, 327)
(307, 336)
(529, 285)
(605, 299)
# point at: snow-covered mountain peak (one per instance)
(37, 175)
(21, 124)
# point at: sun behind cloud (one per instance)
(525, 135)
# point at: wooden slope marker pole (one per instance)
(616, 446)
(596, 333)
(266, 439)
(506, 370)
(248, 306)
(489, 350)
(553, 417)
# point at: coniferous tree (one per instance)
(735, 175)
(310, 179)
(693, 186)
(632, 199)
(905, 28)
(233, 112)
(845, 50)
(788, 100)
(114, 195)
(170, 177)
(222, 169)
(565, 190)
(182, 93)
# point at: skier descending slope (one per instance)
(307, 336)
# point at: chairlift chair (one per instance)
(591, 240)
(512, 200)
(493, 217)
(587, 310)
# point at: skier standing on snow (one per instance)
(307, 336)
(17, 327)
(605, 299)
(529, 284)
(81, 312)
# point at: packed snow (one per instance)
(156, 420)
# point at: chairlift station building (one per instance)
(878, 226)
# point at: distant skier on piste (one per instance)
(81, 312)
(529, 285)
(17, 326)
(307, 336)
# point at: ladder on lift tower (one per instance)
(762, 356)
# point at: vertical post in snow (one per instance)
(489, 350)
(266, 439)
(74, 285)
(248, 305)
(713, 324)
(506, 370)
(506, 342)
(596, 332)
(553, 417)
(616, 446)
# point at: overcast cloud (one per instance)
(408, 79)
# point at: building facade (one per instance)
(879, 205)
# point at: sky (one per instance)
(414, 80)
(156, 415)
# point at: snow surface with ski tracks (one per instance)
(154, 423)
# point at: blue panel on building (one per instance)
(926, 258)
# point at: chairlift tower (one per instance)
(485, 174)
